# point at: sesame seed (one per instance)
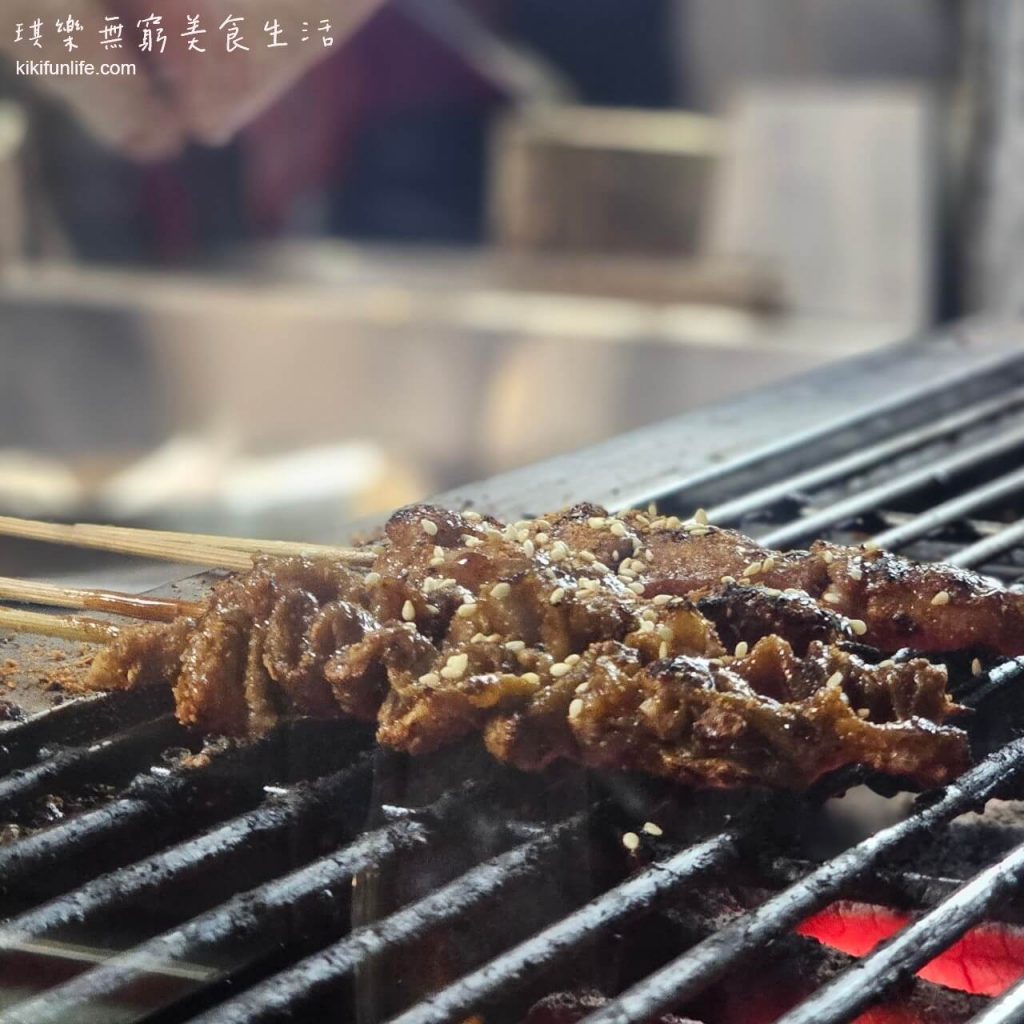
(559, 550)
(540, 538)
(532, 678)
(373, 578)
(836, 679)
(727, 580)
(646, 626)
(559, 669)
(435, 562)
(859, 626)
(827, 557)
(515, 646)
(663, 649)
(863, 712)
(741, 649)
(831, 597)
(617, 529)
(662, 599)
(601, 567)
(649, 707)
(477, 638)
(576, 708)
(429, 527)
(942, 597)
(653, 830)
(542, 524)
(596, 522)
(408, 611)
(583, 688)
(701, 516)
(666, 633)
(456, 666)
(466, 610)
(430, 679)
(472, 517)
(572, 659)
(975, 667)
(433, 609)
(768, 564)
(588, 556)
(637, 588)
(501, 590)
(631, 841)
(673, 522)
(528, 548)
(557, 595)
(888, 663)
(870, 545)
(472, 542)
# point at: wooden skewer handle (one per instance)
(14, 620)
(127, 542)
(190, 548)
(150, 608)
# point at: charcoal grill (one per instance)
(308, 877)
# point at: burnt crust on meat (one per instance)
(631, 642)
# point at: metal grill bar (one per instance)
(879, 495)
(949, 511)
(210, 937)
(132, 747)
(862, 458)
(85, 720)
(1007, 1009)
(245, 835)
(687, 975)
(988, 547)
(856, 989)
(317, 975)
(511, 968)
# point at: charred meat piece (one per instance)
(744, 615)
(572, 637)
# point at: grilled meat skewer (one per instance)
(569, 637)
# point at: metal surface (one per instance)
(793, 426)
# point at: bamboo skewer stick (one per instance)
(195, 549)
(154, 609)
(68, 627)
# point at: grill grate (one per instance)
(283, 880)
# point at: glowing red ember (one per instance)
(986, 961)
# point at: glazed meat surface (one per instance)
(628, 642)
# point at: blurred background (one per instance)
(478, 233)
